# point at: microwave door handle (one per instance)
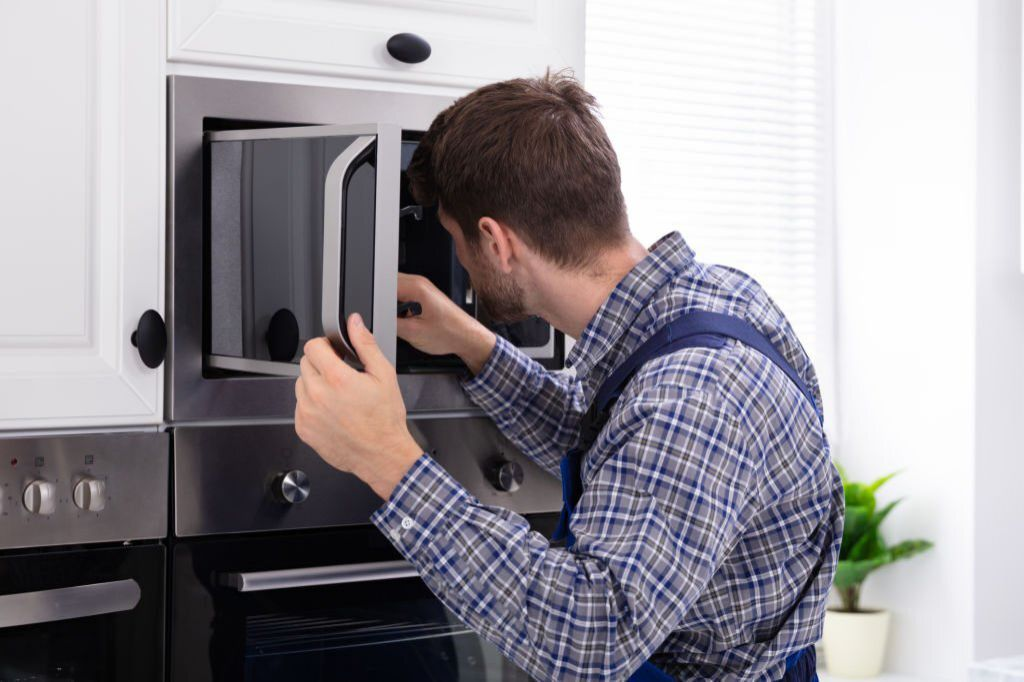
(63, 603)
(318, 576)
(337, 178)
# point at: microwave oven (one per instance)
(289, 210)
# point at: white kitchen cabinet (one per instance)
(81, 210)
(472, 41)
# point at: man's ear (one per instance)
(499, 243)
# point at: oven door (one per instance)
(303, 231)
(91, 615)
(314, 607)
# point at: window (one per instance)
(720, 113)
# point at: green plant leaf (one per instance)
(870, 542)
(863, 549)
(908, 548)
(882, 481)
(857, 519)
(860, 495)
(852, 573)
(868, 547)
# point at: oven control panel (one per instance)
(252, 478)
(83, 489)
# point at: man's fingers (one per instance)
(405, 327)
(323, 360)
(413, 287)
(406, 286)
(366, 347)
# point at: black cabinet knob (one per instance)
(150, 337)
(408, 48)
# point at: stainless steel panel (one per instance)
(434, 393)
(81, 601)
(224, 476)
(261, 581)
(292, 132)
(189, 395)
(133, 467)
(270, 368)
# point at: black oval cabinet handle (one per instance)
(408, 48)
(150, 337)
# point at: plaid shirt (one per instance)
(708, 498)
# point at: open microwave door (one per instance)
(303, 232)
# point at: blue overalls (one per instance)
(698, 329)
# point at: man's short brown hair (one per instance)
(531, 153)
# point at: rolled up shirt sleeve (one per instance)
(653, 523)
(538, 410)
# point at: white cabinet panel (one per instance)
(472, 41)
(81, 210)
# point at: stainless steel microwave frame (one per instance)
(198, 107)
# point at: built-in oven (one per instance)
(276, 573)
(82, 561)
(316, 606)
(279, 229)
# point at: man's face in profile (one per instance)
(498, 293)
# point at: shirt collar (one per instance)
(617, 314)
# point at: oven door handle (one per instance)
(63, 603)
(337, 178)
(318, 576)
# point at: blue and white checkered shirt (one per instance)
(708, 498)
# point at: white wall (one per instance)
(906, 83)
(999, 502)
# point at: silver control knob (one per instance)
(507, 476)
(40, 497)
(292, 487)
(90, 494)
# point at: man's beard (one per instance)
(500, 295)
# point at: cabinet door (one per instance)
(81, 210)
(472, 41)
(303, 233)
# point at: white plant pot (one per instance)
(854, 643)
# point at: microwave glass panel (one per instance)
(267, 226)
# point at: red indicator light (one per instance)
(14, 462)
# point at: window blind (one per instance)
(718, 110)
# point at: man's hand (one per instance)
(443, 327)
(355, 420)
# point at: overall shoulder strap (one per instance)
(696, 329)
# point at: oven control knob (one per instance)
(507, 476)
(90, 494)
(292, 487)
(40, 497)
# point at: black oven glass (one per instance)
(379, 630)
(393, 630)
(117, 647)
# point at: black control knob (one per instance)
(507, 476)
(291, 487)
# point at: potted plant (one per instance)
(854, 638)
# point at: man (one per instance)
(706, 530)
